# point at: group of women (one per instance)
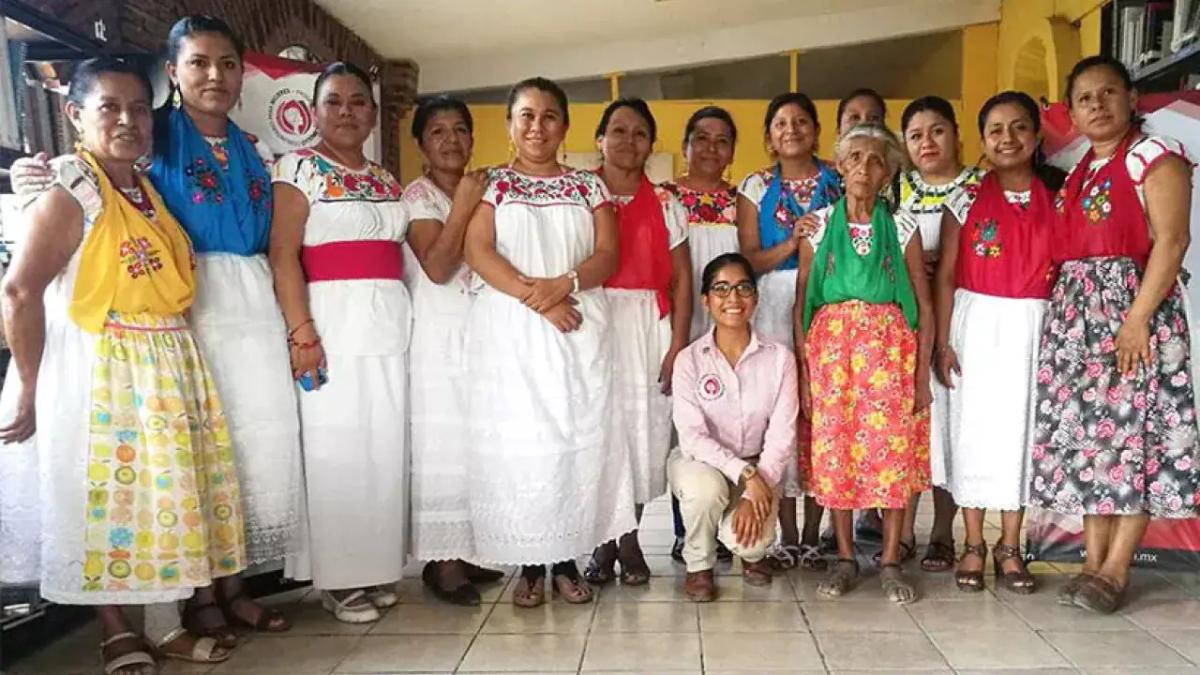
(231, 360)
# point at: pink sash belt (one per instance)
(344, 260)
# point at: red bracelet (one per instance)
(302, 325)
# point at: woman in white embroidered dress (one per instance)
(930, 134)
(546, 483)
(440, 202)
(650, 296)
(336, 239)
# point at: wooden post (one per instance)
(614, 85)
(793, 76)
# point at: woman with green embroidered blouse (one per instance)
(863, 321)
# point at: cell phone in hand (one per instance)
(306, 382)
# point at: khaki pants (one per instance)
(706, 502)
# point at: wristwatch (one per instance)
(574, 277)
(749, 472)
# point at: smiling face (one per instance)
(446, 141)
(864, 167)
(932, 143)
(792, 133)
(709, 149)
(113, 121)
(537, 125)
(732, 297)
(345, 111)
(626, 141)
(1009, 138)
(1101, 105)
(208, 72)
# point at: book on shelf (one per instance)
(1132, 35)
(1185, 23)
(1155, 26)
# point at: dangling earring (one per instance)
(176, 100)
(512, 151)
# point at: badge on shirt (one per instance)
(710, 387)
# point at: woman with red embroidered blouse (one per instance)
(993, 278)
(1116, 433)
(650, 298)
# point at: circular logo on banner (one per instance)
(710, 388)
(292, 118)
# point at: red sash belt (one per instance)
(343, 260)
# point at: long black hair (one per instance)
(1052, 177)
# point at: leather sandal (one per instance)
(907, 551)
(204, 650)
(567, 583)
(131, 662)
(601, 569)
(635, 571)
(1066, 592)
(895, 586)
(200, 619)
(756, 573)
(1100, 594)
(270, 620)
(939, 557)
(971, 582)
(530, 590)
(842, 576)
(1020, 581)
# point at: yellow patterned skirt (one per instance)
(163, 509)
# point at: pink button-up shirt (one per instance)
(726, 415)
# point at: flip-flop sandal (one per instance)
(195, 622)
(841, 580)
(602, 568)
(939, 557)
(529, 593)
(136, 661)
(895, 586)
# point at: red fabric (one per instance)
(1101, 215)
(1003, 248)
(343, 260)
(645, 259)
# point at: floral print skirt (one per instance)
(868, 449)
(1105, 443)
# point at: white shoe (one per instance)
(383, 596)
(354, 608)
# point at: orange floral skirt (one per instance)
(867, 448)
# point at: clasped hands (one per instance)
(552, 299)
(752, 512)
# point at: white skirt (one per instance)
(642, 413)
(355, 435)
(773, 320)
(441, 519)
(545, 482)
(989, 417)
(706, 242)
(20, 506)
(241, 332)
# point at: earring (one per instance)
(512, 150)
(176, 100)
(727, 175)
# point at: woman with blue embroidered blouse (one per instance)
(770, 202)
(213, 179)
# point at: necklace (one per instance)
(918, 196)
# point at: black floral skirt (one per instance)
(1104, 443)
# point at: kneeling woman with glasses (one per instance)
(736, 400)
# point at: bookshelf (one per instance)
(1158, 40)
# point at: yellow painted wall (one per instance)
(491, 134)
(1089, 34)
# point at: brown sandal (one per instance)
(1100, 595)
(1066, 593)
(971, 581)
(1020, 581)
(528, 592)
(269, 620)
(842, 576)
(196, 624)
(939, 557)
(601, 569)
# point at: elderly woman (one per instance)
(863, 332)
(735, 407)
(336, 237)
(1116, 432)
(139, 498)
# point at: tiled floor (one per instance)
(783, 628)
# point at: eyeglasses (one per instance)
(722, 289)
